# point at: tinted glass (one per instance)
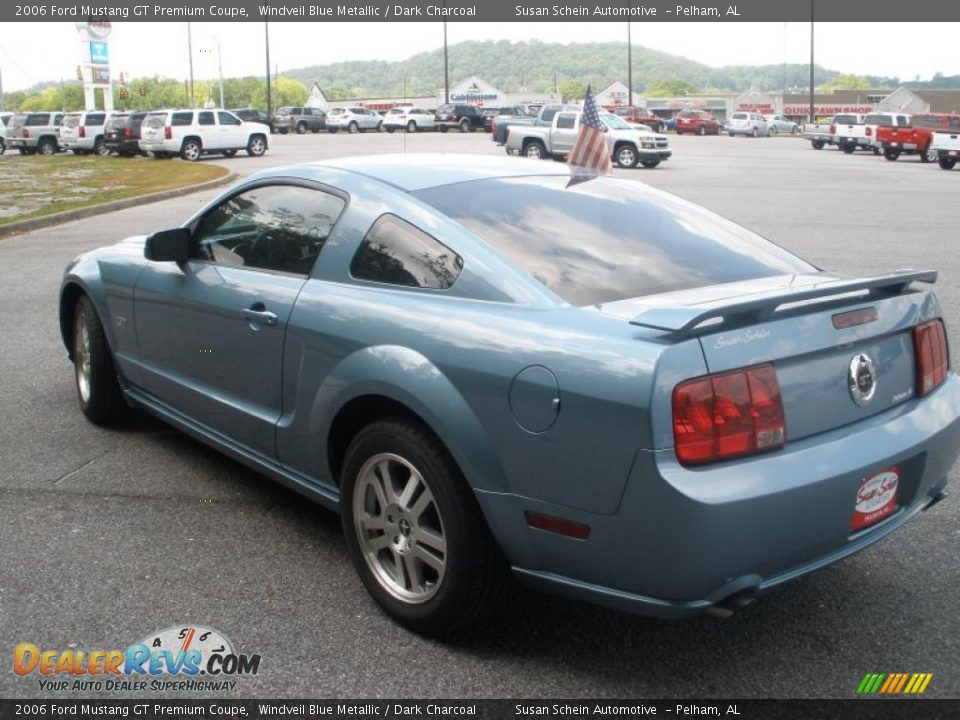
(71, 121)
(954, 122)
(225, 118)
(276, 227)
(928, 121)
(846, 120)
(157, 120)
(117, 122)
(37, 120)
(877, 120)
(181, 119)
(566, 121)
(397, 253)
(606, 239)
(205, 118)
(95, 119)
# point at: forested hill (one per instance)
(535, 66)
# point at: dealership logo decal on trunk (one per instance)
(168, 660)
(876, 498)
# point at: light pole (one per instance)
(190, 55)
(219, 67)
(446, 64)
(812, 119)
(629, 65)
(266, 33)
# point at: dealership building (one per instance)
(796, 106)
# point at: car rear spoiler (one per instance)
(751, 308)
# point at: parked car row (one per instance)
(931, 136)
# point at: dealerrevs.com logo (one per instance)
(182, 658)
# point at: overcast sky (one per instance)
(33, 52)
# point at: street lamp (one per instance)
(219, 65)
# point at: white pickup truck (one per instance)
(849, 132)
(819, 134)
(877, 120)
(628, 146)
(946, 144)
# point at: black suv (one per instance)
(455, 115)
(122, 133)
(254, 115)
(299, 119)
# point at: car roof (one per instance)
(418, 171)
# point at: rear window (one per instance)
(606, 239)
(118, 122)
(847, 120)
(71, 121)
(927, 121)
(739, 116)
(877, 120)
(156, 120)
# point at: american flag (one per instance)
(590, 150)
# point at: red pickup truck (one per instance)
(916, 137)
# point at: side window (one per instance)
(397, 253)
(566, 121)
(205, 118)
(95, 119)
(226, 118)
(181, 119)
(275, 227)
(954, 122)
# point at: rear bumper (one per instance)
(684, 540)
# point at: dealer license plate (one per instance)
(876, 498)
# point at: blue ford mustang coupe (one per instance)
(487, 365)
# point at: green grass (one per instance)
(35, 186)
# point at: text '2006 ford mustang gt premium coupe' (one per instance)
(486, 366)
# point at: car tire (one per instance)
(443, 128)
(702, 130)
(891, 154)
(100, 148)
(928, 156)
(848, 148)
(773, 131)
(3, 146)
(535, 150)
(191, 150)
(650, 163)
(256, 146)
(947, 163)
(464, 126)
(435, 566)
(46, 146)
(332, 130)
(283, 131)
(411, 127)
(353, 128)
(389, 129)
(301, 128)
(626, 157)
(817, 144)
(95, 376)
(314, 130)
(679, 132)
(794, 130)
(731, 133)
(756, 132)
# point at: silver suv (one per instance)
(748, 123)
(35, 133)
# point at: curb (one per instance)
(23, 226)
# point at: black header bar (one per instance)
(485, 11)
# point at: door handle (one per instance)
(260, 315)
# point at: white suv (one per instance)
(3, 133)
(410, 119)
(354, 119)
(747, 123)
(192, 133)
(82, 132)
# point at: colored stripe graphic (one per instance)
(894, 683)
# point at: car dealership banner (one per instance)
(485, 11)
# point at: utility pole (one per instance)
(629, 64)
(812, 118)
(190, 53)
(2, 108)
(446, 63)
(266, 33)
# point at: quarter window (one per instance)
(397, 253)
(274, 227)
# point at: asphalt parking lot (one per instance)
(109, 535)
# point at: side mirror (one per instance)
(168, 246)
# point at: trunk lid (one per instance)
(815, 329)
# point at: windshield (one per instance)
(607, 239)
(615, 123)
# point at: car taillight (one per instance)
(168, 133)
(869, 131)
(930, 349)
(833, 128)
(81, 131)
(727, 415)
(127, 134)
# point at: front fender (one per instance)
(407, 377)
